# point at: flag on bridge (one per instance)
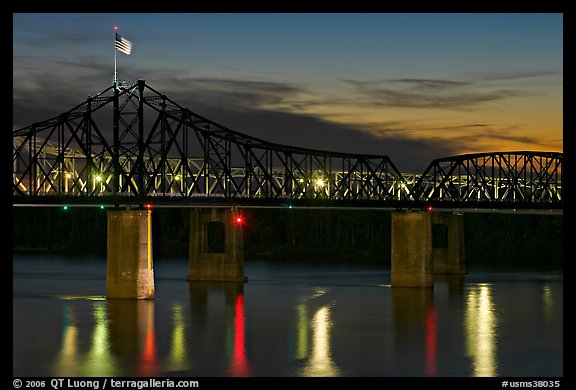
(123, 45)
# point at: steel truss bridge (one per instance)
(130, 145)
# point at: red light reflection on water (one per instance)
(239, 364)
(431, 342)
(149, 365)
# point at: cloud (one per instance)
(232, 93)
(430, 84)
(512, 75)
(313, 132)
(35, 86)
(39, 95)
(281, 112)
(430, 94)
(463, 137)
(236, 104)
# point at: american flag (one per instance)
(123, 45)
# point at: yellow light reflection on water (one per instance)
(99, 360)
(320, 362)
(548, 302)
(83, 297)
(481, 327)
(66, 361)
(302, 337)
(318, 292)
(177, 360)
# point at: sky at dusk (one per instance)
(411, 86)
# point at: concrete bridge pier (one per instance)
(448, 243)
(129, 268)
(412, 249)
(216, 245)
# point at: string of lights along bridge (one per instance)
(132, 145)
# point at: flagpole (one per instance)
(115, 81)
(123, 45)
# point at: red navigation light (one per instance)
(148, 206)
(239, 220)
(115, 28)
(429, 208)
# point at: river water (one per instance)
(297, 319)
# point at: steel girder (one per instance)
(134, 142)
(514, 178)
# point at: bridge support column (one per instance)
(448, 243)
(216, 246)
(412, 249)
(129, 269)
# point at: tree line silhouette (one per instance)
(324, 235)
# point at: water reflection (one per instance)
(123, 340)
(431, 342)
(548, 300)
(178, 357)
(132, 336)
(455, 282)
(122, 331)
(415, 319)
(67, 358)
(302, 331)
(281, 324)
(238, 364)
(149, 364)
(320, 361)
(98, 361)
(481, 326)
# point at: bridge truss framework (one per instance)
(156, 150)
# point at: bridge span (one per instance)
(130, 148)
